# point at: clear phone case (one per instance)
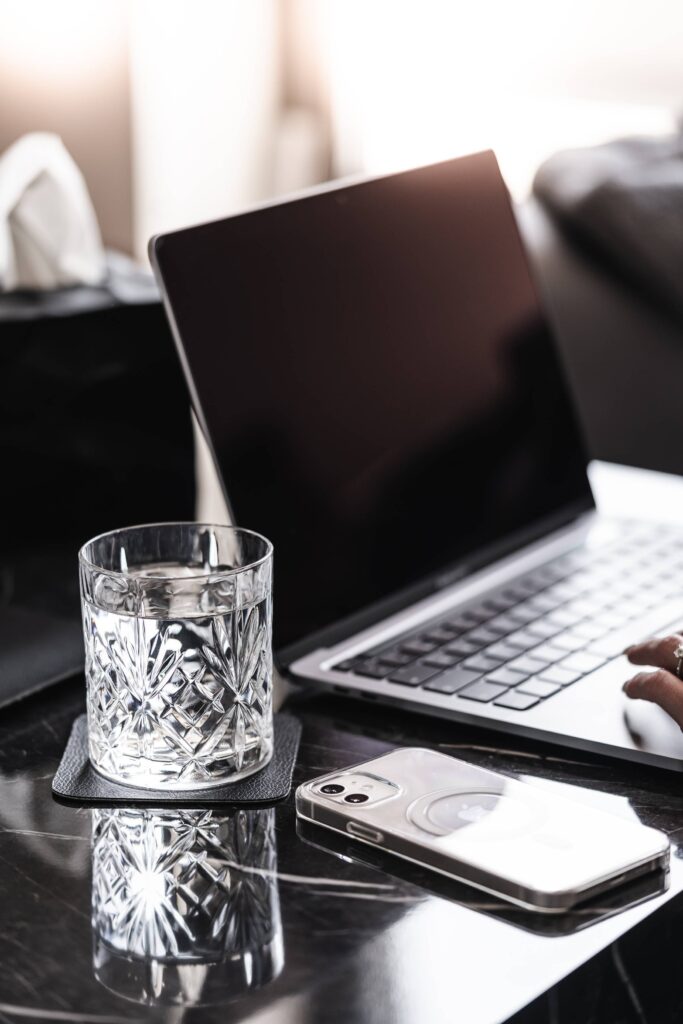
(518, 841)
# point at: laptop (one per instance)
(382, 396)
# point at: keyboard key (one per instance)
(611, 645)
(503, 624)
(592, 582)
(522, 614)
(469, 619)
(480, 663)
(482, 636)
(414, 675)
(442, 660)
(548, 653)
(372, 668)
(523, 639)
(623, 587)
(448, 627)
(562, 676)
(348, 665)
(391, 645)
(496, 629)
(589, 629)
(587, 606)
(612, 619)
(454, 626)
(543, 628)
(567, 589)
(563, 617)
(569, 641)
(516, 700)
(577, 559)
(457, 624)
(530, 666)
(462, 647)
(538, 687)
(498, 603)
(658, 593)
(451, 682)
(439, 635)
(417, 647)
(528, 586)
(482, 691)
(642, 604)
(480, 612)
(583, 662)
(505, 677)
(502, 651)
(545, 603)
(542, 578)
(552, 572)
(395, 659)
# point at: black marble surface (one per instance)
(348, 941)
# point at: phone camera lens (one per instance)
(332, 788)
(356, 798)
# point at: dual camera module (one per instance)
(334, 789)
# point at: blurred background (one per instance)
(178, 112)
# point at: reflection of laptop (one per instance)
(377, 381)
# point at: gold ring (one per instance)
(678, 654)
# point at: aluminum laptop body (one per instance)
(379, 387)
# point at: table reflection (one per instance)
(185, 904)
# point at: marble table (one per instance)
(316, 930)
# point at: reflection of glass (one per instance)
(185, 904)
(177, 626)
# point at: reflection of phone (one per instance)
(589, 912)
(524, 844)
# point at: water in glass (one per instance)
(179, 681)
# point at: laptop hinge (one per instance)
(367, 617)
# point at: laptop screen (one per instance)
(378, 382)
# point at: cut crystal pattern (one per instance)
(179, 702)
(185, 887)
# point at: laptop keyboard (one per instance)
(542, 633)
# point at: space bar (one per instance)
(665, 618)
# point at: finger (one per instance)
(659, 651)
(661, 688)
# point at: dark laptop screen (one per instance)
(378, 382)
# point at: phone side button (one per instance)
(364, 832)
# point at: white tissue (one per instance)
(49, 236)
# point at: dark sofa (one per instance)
(623, 352)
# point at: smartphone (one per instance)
(538, 850)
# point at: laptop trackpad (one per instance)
(652, 729)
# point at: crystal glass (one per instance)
(185, 906)
(177, 622)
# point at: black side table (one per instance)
(95, 433)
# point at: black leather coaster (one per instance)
(76, 779)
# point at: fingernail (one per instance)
(627, 650)
(625, 686)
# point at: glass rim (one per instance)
(119, 574)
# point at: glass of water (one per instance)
(177, 621)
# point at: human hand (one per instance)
(663, 687)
